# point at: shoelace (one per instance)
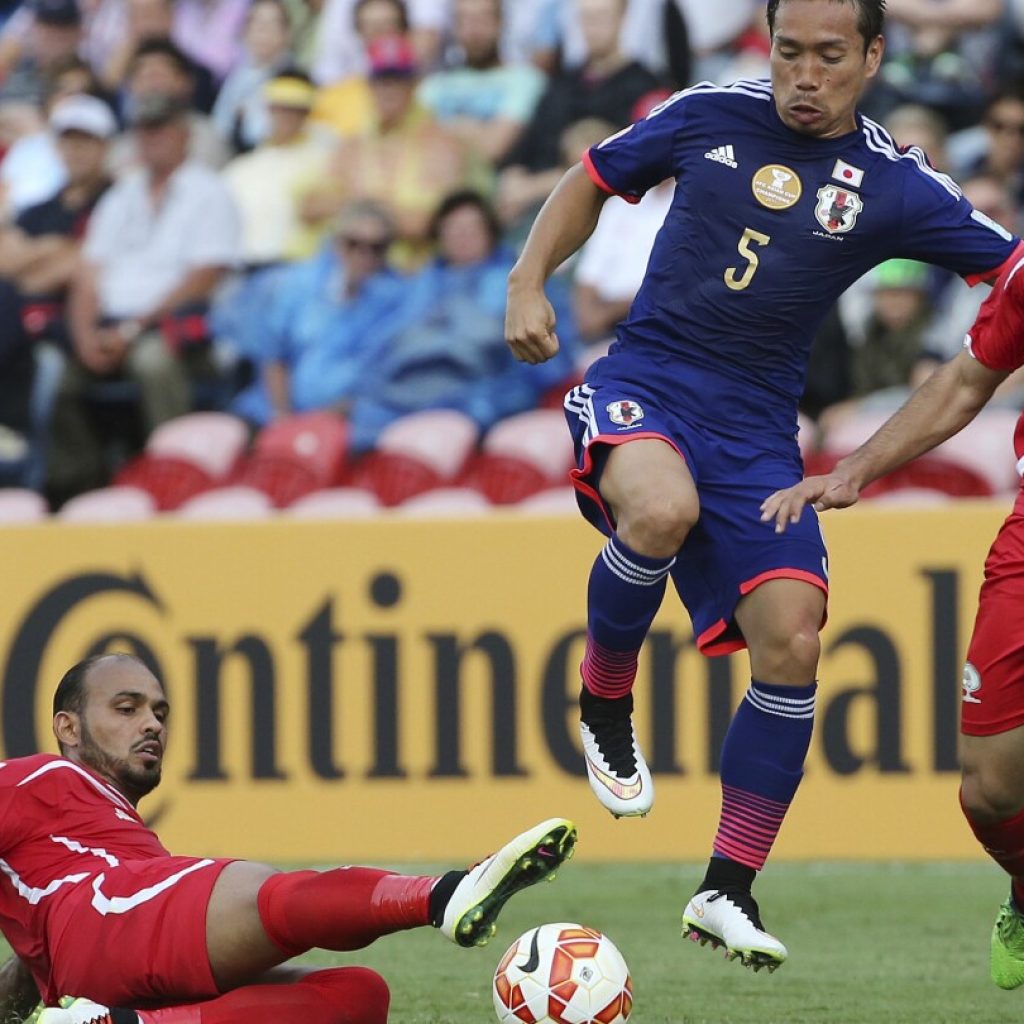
(743, 899)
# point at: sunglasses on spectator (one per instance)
(1001, 127)
(374, 246)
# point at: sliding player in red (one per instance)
(92, 904)
(992, 718)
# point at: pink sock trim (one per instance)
(748, 826)
(608, 673)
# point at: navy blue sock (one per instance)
(624, 595)
(762, 765)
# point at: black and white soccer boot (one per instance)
(730, 918)
(616, 768)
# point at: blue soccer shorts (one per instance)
(730, 551)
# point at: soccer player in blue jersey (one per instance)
(785, 196)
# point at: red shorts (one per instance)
(993, 683)
(135, 935)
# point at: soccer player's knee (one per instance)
(988, 794)
(659, 523)
(374, 997)
(794, 648)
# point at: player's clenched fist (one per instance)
(823, 492)
(530, 325)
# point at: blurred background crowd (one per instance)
(276, 207)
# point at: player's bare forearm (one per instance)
(18, 992)
(942, 406)
(565, 222)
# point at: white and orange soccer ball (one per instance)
(562, 974)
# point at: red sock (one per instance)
(346, 908)
(1004, 843)
(341, 995)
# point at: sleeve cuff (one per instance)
(595, 176)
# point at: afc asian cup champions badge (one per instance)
(625, 413)
(971, 684)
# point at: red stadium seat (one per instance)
(228, 503)
(109, 505)
(20, 505)
(296, 456)
(417, 453)
(186, 456)
(522, 455)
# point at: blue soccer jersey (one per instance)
(767, 228)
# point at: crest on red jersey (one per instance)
(837, 208)
(625, 412)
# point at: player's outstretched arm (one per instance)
(566, 220)
(941, 407)
(18, 991)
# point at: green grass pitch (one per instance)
(868, 944)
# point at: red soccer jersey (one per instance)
(996, 339)
(60, 826)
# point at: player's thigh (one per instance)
(780, 619)
(236, 941)
(648, 486)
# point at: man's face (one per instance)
(478, 29)
(1004, 124)
(157, 73)
(379, 19)
(122, 730)
(392, 96)
(83, 156)
(819, 67)
(363, 246)
(600, 23)
(163, 147)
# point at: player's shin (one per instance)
(343, 909)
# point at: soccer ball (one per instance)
(562, 974)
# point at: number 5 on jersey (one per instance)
(733, 278)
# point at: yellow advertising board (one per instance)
(405, 690)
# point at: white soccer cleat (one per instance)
(80, 1011)
(469, 918)
(616, 769)
(730, 918)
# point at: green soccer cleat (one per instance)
(1007, 964)
(469, 918)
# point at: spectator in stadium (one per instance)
(914, 125)
(145, 21)
(607, 85)
(240, 111)
(266, 183)
(31, 170)
(39, 256)
(447, 351)
(53, 36)
(482, 100)
(998, 149)
(406, 160)
(345, 105)
(157, 245)
(340, 44)
(211, 937)
(159, 68)
(210, 32)
(319, 327)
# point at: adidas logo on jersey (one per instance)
(723, 155)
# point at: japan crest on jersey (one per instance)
(837, 208)
(625, 413)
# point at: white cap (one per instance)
(81, 113)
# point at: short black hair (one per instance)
(466, 197)
(160, 46)
(70, 692)
(870, 17)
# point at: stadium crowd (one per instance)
(274, 207)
